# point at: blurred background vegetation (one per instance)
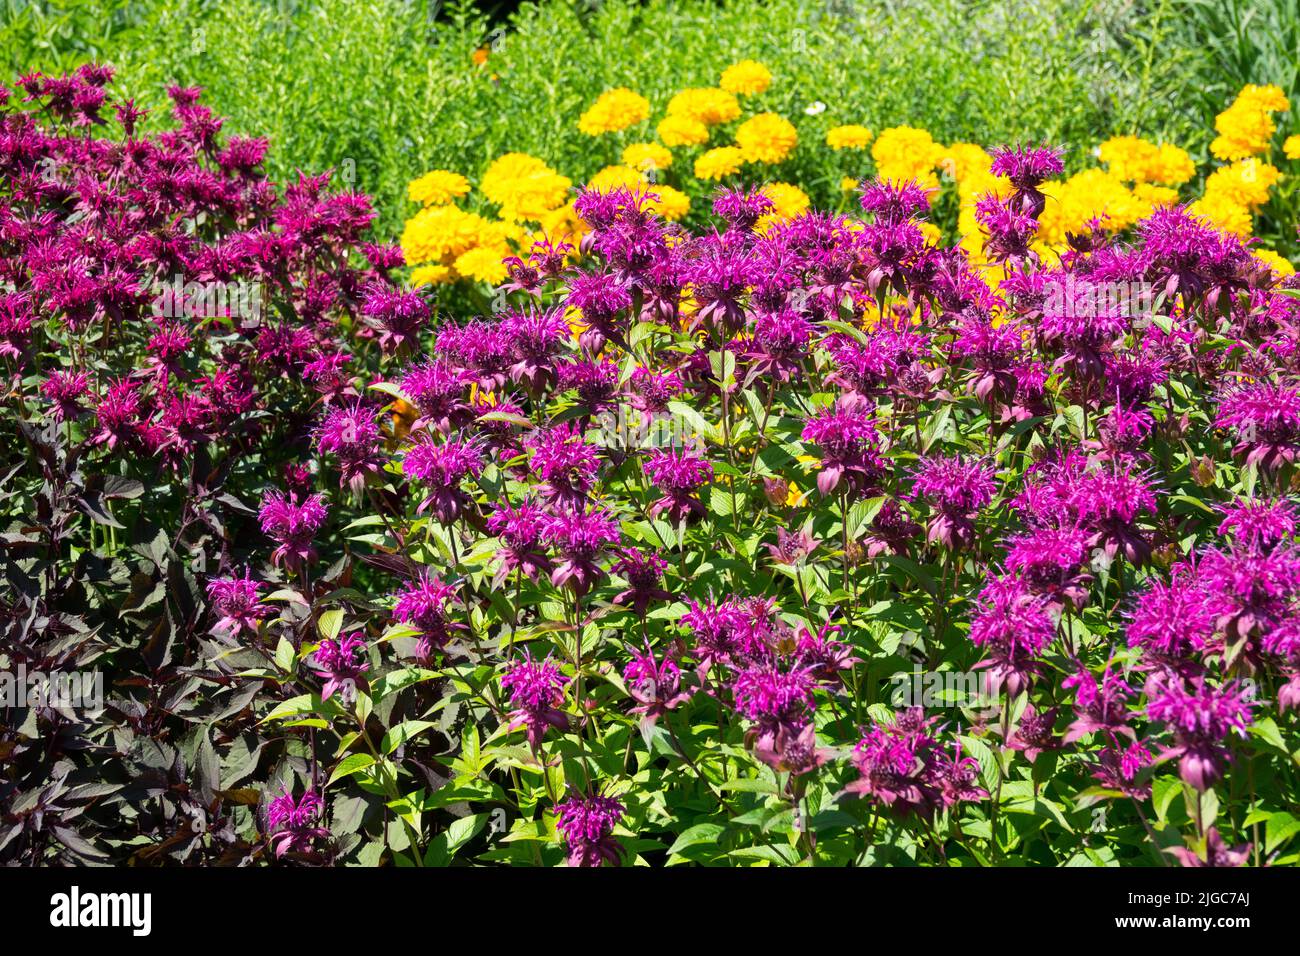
(382, 90)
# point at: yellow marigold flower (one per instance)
(1173, 166)
(430, 275)
(1245, 128)
(964, 160)
(707, 105)
(848, 137)
(682, 131)
(794, 498)
(719, 163)
(1268, 98)
(501, 234)
(439, 234)
(615, 177)
(614, 110)
(672, 204)
(1245, 183)
(746, 78)
(1091, 194)
(1136, 160)
(482, 264)
(902, 153)
(1222, 213)
(524, 187)
(480, 56)
(1281, 267)
(1291, 147)
(1127, 157)
(647, 156)
(1155, 195)
(437, 188)
(766, 138)
(787, 201)
(1242, 133)
(848, 184)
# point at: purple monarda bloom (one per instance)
(1014, 626)
(717, 629)
(849, 444)
(605, 303)
(1217, 853)
(1099, 708)
(351, 434)
(679, 473)
(644, 574)
(422, 603)
(1171, 621)
(595, 382)
(1049, 560)
(1008, 226)
(779, 701)
(235, 602)
(1035, 733)
(536, 690)
(652, 390)
(782, 341)
(342, 663)
(292, 524)
(1108, 502)
(537, 337)
(1257, 524)
(792, 549)
(904, 767)
(1201, 718)
(438, 393)
(442, 468)
(655, 685)
(587, 822)
(293, 826)
(64, 390)
(892, 202)
(1117, 768)
(565, 462)
(1027, 167)
(1266, 419)
(580, 537)
(957, 488)
(741, 210)
(823, 654)
(520, 530)
(1249, 594)
(397, 316)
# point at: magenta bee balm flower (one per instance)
(536, 690)
(1201, 716)
(235, 601)
(295, 826)
(679, 473)
(587, 822)
(341, 662)
(292, 524)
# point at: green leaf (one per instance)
(404, 732)
(349, 765)
(694, 836)
(330, 623)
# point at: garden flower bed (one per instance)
(667, 519)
